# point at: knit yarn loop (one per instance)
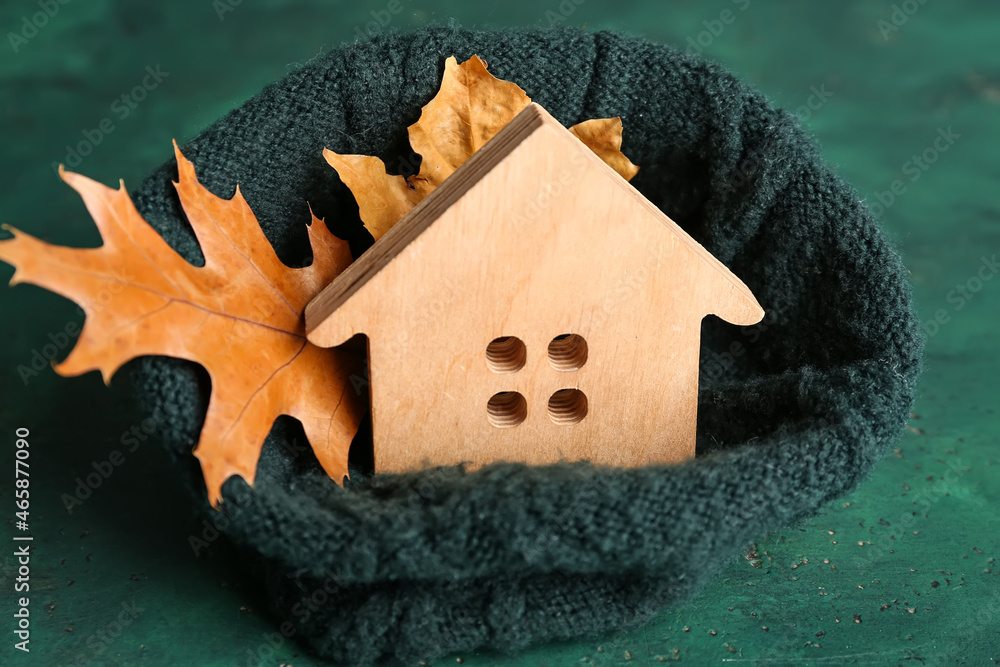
(794, 411)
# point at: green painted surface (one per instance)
(901, 572)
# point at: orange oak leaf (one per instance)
(239, 316)
(471, 106)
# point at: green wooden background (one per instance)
(901, 572)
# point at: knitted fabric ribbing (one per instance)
(793, 412)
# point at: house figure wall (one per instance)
(534, 308)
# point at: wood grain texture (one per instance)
(534, 239)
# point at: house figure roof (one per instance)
(535, 307)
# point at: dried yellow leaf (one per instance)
(604, 137)
(470, 107)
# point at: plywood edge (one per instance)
(734, 302)
(320, 312)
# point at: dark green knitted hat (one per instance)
(793, 412)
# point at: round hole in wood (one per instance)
(506, 409)
(506, 354)
(568, 352)
(568, 406)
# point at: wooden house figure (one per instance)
(534, 308)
